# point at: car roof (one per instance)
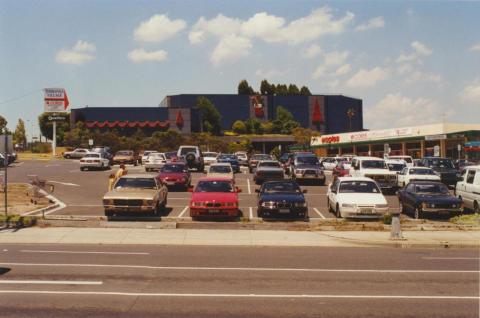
(395, 161)
(138, 175)
(367, 158)
(215, 179)
(355, 179)
(275, 161)
(474, 167)
(176, 163)
(426, 181)
(221, 164)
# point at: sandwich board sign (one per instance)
(55, 100)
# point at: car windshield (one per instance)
(437, 188)
(157, 155)
(92, 155)
(373, 164)
(272, 187)
(441, 163)
(141, 183)
(214, 186)
(220, 169)
(261, 157)
(422, 171)
(310, 160)
(227, 157)
(269, 164)
(358, 187)
(187, 150)
(395, 166)
(173, 168)
(124, 153)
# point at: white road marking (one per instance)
(253, 269)
(19, 164)
(251, 212)
(453, 258)
(304, 296)
(65, 183)
(54, 165)
(183, 212)
(86, 205)
(51, 282)
(248, 185)
(85, 252)
(76, 170)
(318, 212)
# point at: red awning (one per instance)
(130, 124)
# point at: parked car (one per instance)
(280, 199)
(231, 159)
(305, 166)
(77, 153)
(220, 170)
(125, 157)
(376, 169)
(242, 158)
(330, 163)
(460, 164)
(193, 157)
(210, 157)
(408, 159)
(144, 156)
(254, 159)
(156, 161)
(94, 160)
(444, 167)
(351, 197)
(105, 151)
(395, 165)
(268, 170)
(214, 197)
(171, 156)
(136, 193)
(342, 169)
(175, 174)
(468, 188)
(415, 173)
(428, 197)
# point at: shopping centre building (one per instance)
(444, 139)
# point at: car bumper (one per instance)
(123, 208)
(298, 212)
(301, 176)
(212, 212)
(442, 210)
(176, 183)
(91, 165)
(373, 213)
(154, 166)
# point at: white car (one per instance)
(94, 160)
(209, 157)
(376, 169)
(350, 197)
(330, 163)
(408, 160)
(416, 173)
(144, 158)
(395, 165)
(468, 189)
(242, 158)
(156, 161)
(220, 170)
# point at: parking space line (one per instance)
(51, 282)
(85, 252)
(248, 185)
(452, 258)
(318, 212)
(251, 212)
(183, 212)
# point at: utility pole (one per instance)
(5, 163)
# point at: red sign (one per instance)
(179, 119)
(330, 139)
(55, 100)
(317, 117)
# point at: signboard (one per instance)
(436, 151)
(55, 117)
(8, 148)
(386, 149)
(90, 142)
(55, 100)
(436, 137)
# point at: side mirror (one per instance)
(238, 189)
(190, 189)
(257, 190)
(304, 191)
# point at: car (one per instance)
(376, 169)
(220, 169)
(210, 157)
(468, 188)
(156, 160)
(105, 151)
(242, 158)
(305, 166)
(193, 156)
(395, 165)
(285, 160)
(415, 173)
(281, 199)
(428, 197)
(408, 159)
(342, 169)
(137, 193)
(171, 156)
(268, 170)
(94, 160)
(175, 175)
(231, 159)
(3, 161)
(214, 197)
(460, 164)
(77, 153)
(254, 159)
(125, 157)
(330, 163)
(356, 197)
(144, 156)
(444, 167)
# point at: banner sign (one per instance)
(436, 137)
(55, 100)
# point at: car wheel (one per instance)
(402, 208)
(67, 157)
(417, 214)
(337, 212)
(329, 207)
(81, 168)
(102, 167)
(476, 207)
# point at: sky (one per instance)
(411, 63)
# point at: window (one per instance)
(273, 164)
(436, 188)
(470, 176)
(289, 187)
(358, 187)
(140, 183)
(373, 164)
(220, 169)
(410, 187)
(422, 171)
(214, 186)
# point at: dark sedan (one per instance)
(281, 199)
(428, 197)
(443, 167)
(231, 159)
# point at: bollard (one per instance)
(396, 232)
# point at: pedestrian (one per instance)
(121, 172)
(111, 181)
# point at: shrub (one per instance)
(239, 127)
(41, 147)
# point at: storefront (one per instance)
(443, 140)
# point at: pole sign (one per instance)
(55, 100)
(55, 117)
(90, 142)
(436, 151)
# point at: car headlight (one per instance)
(348, 205)
(230, 204)
(381, 206)
(301, 204)
(198, 203)
(268, 204)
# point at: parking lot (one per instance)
(82, 191)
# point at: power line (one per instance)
(19, 97)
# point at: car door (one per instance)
(408, 199)
(332, 193)
(469, 192)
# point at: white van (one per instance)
(408, 160)
(468, 189)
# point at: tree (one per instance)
(303, 136)
(293, 90)
(254, 126)
(210, 116)
(281, 90)
(239, 127)
(244, 88)
(267, 127)
(305, 91)
(78, 136)
(46, 127)
(3, 125)
(284, 121)
(267, 88)
(20, 136)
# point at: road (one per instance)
(82, 191)
(181, 281)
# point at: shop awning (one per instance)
(128, 124)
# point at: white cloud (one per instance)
(270, 73)
(220, 26)
(81, 53)
(335, 58)
(475, 48)
(396, 110)
(333, 64)
(343, 70)
(230, 49)
(420, 50)
(367, 78)
(418, 76)
(158, 28)
(374, 23)
(140, 55)
(404, 69)
(471, 93)
(312, 51)
(262, 25)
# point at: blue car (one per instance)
(231, 159)
(428, 197)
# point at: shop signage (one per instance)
(330, 139)
(436, 137)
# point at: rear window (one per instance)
(92, 155)
(373, 164)
(220, 169)
(424, 172)
(187, 150)
(261, 157)
(140, 183)
(269, 164)
(358, 187)
(174, 168)
(124, 153)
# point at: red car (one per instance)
(175, 174)
(214, 197)
(341, 170)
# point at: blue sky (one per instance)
(410, 62)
